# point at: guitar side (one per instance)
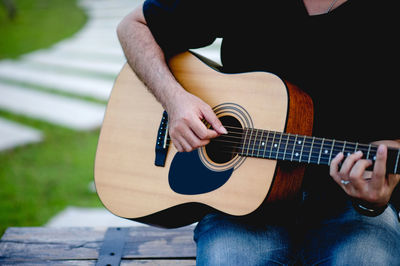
(131, 186)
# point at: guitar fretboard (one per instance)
(305, 149)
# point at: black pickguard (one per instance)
(189, 176)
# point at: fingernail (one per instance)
(223, 130)
(381, 149)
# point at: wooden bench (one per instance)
(139, 245)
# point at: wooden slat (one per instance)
(172, 262)
(41, 245)
(150, 262)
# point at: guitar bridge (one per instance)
(162, 141)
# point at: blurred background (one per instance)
(58, 61)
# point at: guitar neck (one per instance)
(304, 149)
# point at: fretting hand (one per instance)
(373, 188)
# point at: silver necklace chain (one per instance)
(331, 5)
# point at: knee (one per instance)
(223, 241)
(220, 242)
(354, 240)
(363, 253)
(376, 247)
(221, 248)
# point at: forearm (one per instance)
(146, 58)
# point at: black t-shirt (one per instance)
(346, 60)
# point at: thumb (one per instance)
(380, 164)
(213, 120)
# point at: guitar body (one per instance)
(189, 185)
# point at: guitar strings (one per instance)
(285, 152)
(286, 137)
(289, 151)
(279, 155)
(287, 140)
(306, 139)
(289, 145)
(295, 147)
(306, 146)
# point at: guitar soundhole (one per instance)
(225, 147)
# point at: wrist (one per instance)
(172, 96)
(368, 210)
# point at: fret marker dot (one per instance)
(374, 158)
(299, 142)
(262, 143)
(348, 154)
(275, 145)
(297, 154)
(326, 151)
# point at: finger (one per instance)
(202, 132)
(359, 168)
(191, 142)
(357, 173)
(213, 120)
(349, 163)
(379, 171)
(185, 144)
(393, 180)
(334, 167)
(177, 145)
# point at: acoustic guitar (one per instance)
(139, 175)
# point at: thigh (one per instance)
(226, 240)
(354, 239)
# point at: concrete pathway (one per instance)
(13, 134)
(82, 66)
(55, 79)
(65, 111)
(83, 217)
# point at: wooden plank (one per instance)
(172, 262)
(48, 262)
(150, 262)
(39, 245)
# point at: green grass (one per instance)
(38, 24)
(39, 180)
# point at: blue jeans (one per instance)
(316, 235)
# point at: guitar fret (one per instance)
(320, 150)
(266, 144)
(285, 151)
(312, 144)
(261, 142)
(244, 141)
(325, 154)
(373, 152)
(272, 145)
(302, 148)
(330, 155)
(344, 147)
(279, 145)
(364, 149)
(248, 146)
(255, 141)
(350, 149)
(369, 150)
(294, 145)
